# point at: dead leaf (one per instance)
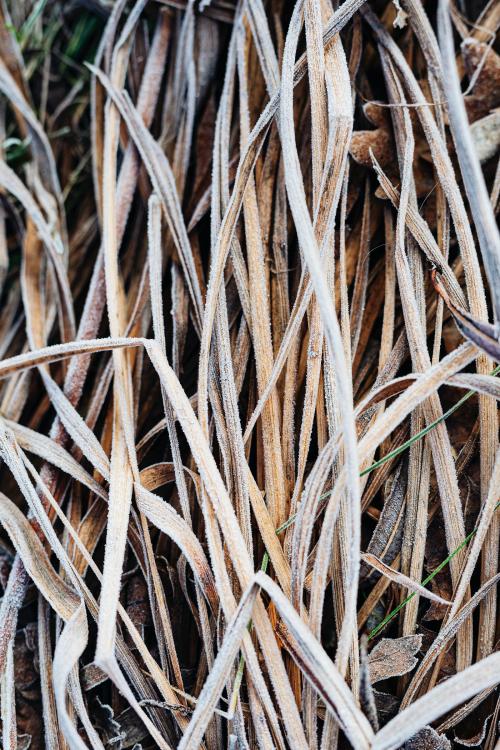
(378, 141)
(428, 739)
(392, 657)
(476, 740)
(137, 602)
(387, 706)
(482, 65)
(441, 586)
(486, 135)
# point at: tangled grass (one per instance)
(249, 265)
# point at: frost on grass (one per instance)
(249, 309)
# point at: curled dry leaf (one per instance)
(378, 141)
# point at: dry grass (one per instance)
(249, 265)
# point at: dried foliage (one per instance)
(249, 265)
